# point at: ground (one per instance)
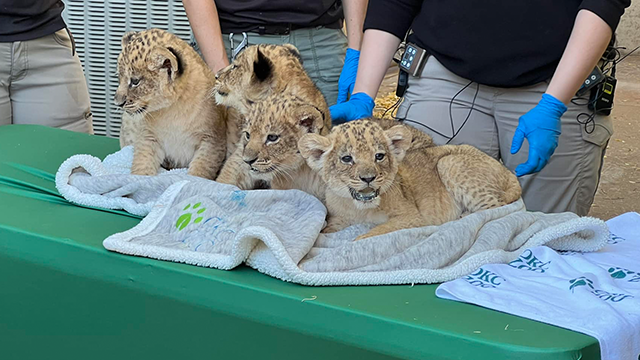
(619, 189)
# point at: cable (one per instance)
(624, 57)
(454, 132)
(468, 115)
(610, 59)
(394, 107)
(451, 104)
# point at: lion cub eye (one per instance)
(234, 66)
(273, 137)
(379, 156)
(134, 82)
(346, 159)
(246, 135)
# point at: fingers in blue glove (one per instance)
(518, 139)
(358, 107)
(343, 95)
(533, 162)
(338, 113)
(541, 127)
(348, 75)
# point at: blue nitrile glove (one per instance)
(359, 106)
(541, 127)
(348, 75)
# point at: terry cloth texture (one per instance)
(204, 223)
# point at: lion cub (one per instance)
(169, 115)
(261, 71)
(376, 176)
(267, 155)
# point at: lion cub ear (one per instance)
(126, 38)
(309, 118)
(312, 147)
(262, 66)
(294, 51)
(399, 141)
(166, 59)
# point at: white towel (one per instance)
(593, 293)
(201, 222)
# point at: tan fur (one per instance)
(415, 184)
(263, 70)
(170, 116)
(260, 161)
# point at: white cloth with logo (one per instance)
(204, 223)
(597, 293)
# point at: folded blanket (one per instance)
(595, 293)
(205, 223)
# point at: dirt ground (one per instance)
(619, 189)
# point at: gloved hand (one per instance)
(541, 127)
(359, 106)
(348, 75)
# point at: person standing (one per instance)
(499, 73)
(314, 26)
(41, 78)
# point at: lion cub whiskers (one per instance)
(397, 179)
(268, 149)
(169, 115)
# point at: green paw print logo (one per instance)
(581, 281)
(619, 273)
(191, 212)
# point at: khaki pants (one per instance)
(570, 179)
(322, 50)
(41, 82)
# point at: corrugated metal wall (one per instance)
(97, 26)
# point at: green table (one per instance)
(63, 296)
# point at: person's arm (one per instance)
(387, 21)
(354, 13)
(588, 41)
(378, 48)
(203, 17)
(541, 125)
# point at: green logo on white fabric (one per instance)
(484, 279)
(626, 274)
(581, 281)
(614, 239)
(185, 219)
(528, 261)
(584, 282)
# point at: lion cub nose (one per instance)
(250, 161)
(368, 179)
(119, 100)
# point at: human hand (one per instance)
(541, 127)
(348, 75)
(359, 106)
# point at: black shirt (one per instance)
(22, 20)
(509, 43)
(248, 15)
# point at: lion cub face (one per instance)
(253, 74)
(271, 133)
(358, 160)
(147, 70)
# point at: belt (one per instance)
(286, 29)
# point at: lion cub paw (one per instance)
(200, 172)
(143, 170)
